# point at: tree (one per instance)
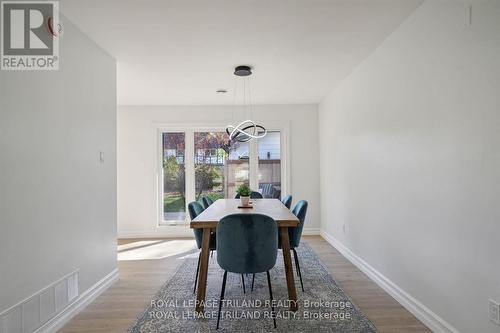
(205, 176)
(173, 141)
(174, 176)
(219, 140)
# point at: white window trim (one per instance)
(189, 130)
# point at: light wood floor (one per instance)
(117, 308)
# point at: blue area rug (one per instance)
(323, 307)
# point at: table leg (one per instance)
(287, 259)
(202, 284)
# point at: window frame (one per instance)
(189, 162)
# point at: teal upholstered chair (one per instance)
(196, 209)
(287, 201)
(253, 195)
(294, 235)
(247, 243)
(207, 202)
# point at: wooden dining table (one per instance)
(211, 216)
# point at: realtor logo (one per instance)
(29, 35)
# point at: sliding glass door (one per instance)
(198, 163)
(269, 159)
(210, 163)
(238, 167)
(174, 176)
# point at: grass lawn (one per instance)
(212, 195)
(173, 202)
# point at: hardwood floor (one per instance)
(383, 310)
(140, 279)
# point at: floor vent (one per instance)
(30, 314)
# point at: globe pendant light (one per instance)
(247, 129)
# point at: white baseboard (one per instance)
(310, 231)
(423, 313)
(163, 231)
(79, 303)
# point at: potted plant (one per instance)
(244, 192)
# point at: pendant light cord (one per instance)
(244, 97)
(235, 90)
(250, 99)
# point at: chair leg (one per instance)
(221, 296)
(253, 280)
(197, 271)
(243, 283)
(271, 297)
(298, 267)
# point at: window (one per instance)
(238, 167)
(210, 165)
(197, 163)
(174, 179)
(269, 155)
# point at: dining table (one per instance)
(211, 216)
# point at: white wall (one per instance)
(57, 202)
(410, 160)
(138, 149)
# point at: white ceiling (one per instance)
(180, 52)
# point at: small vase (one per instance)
(245, 201)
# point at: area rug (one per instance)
(323, 307)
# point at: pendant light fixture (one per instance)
(247, 129)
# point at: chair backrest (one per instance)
(196, 209)
(253, 195)
(256, 195)
(207, 202)
(300, 211)
(247, 243)
(287, 201)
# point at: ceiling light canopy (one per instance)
(243, 70)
